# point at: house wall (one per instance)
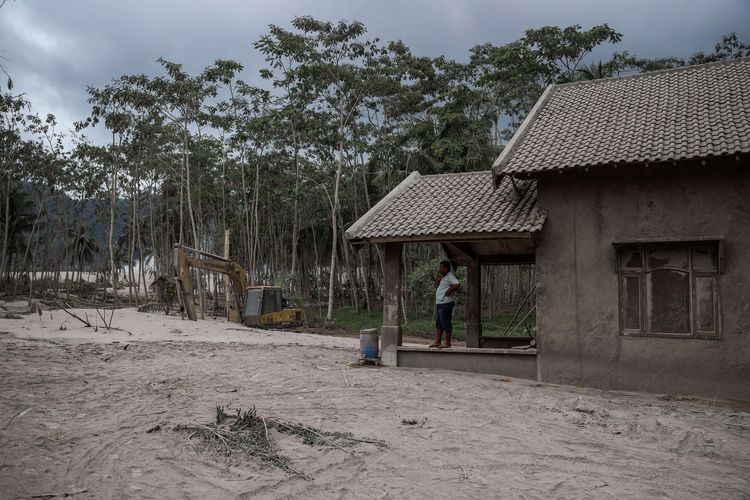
(579, 341)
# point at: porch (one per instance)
(476, 226)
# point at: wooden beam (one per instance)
(390, 332)
(441, 238)
(465, 249)
(459, 252)
(499, 260)
(474, 304)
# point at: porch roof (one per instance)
(451, 207)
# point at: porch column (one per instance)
(390, 332)
(474, 303)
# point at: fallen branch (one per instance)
(85, 322)
(120, 329)
(17, 415)
(104, 317)
(55, 495)
(296, 428)
(246, 433)
(301, 429)
(265, 427)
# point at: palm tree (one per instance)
(20, 222)
(594, 71)
(83, 249)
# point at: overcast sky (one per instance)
(56, 48)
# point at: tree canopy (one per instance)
(285, 167)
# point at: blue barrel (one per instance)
(368, 342)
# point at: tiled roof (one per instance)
(694, 112)
(451, 204)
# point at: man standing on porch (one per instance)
(447, 286)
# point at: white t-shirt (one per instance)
(448, 281)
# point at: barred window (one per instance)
(669, 289)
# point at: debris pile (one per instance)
(249, 435)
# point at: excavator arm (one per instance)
(186, 258)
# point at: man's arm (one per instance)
(453, 289)
(455, 285)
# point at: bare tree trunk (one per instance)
(334, 209)
(182, 205)
(196, 241)
(243, 157)
(6, 227)
(141, 259)
(295, 215)
(365, 283)
(112, 208)
(227, 285)
(350, 270)
(245, 209)
(151, 224)
(256, 225)
(131, 252)
(318, 274)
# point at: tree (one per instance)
(9, 81)
(513, 76)
(282, 52)
(595, 71)
(339, 121)
(729, 47)
(564, 49)
(83, 248)
(340, 69)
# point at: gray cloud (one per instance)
(58, 48)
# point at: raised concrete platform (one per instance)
(519, 363)
(502, 342)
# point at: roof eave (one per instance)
(611, 166)
(438, 238)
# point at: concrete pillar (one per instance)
(390, 332)
(474, 304)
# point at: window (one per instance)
(669, 289)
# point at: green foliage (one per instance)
(419, 324)
(729, 47)
(564, 49)
(341, 119)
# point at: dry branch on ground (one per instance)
(246, 434)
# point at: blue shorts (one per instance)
(444, 317)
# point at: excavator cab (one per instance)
(265, 307)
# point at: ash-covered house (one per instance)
(632, 197)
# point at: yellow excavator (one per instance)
(258, 306)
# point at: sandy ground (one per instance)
(76, 405)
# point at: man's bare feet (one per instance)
(436, 345)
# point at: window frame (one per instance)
(690, 245)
